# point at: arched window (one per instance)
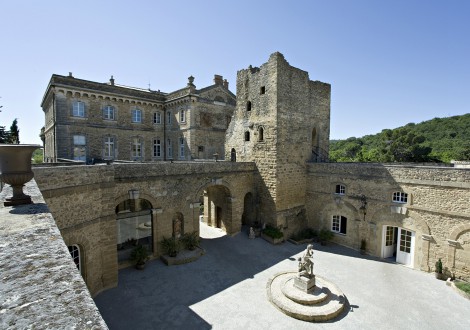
(247, 136)
(75, 254)
(233, 155)
(248, 106)
(260, 134)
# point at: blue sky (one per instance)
(389, 62)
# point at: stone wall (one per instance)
(436, 208)
(83, 201)
(41, 286)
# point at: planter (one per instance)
(272, 240)
(440, 276)
(15, 168)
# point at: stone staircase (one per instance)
(325, 302)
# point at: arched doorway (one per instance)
(249, 212)
(134, 226)
(218, 207)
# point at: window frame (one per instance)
(75, 254)
(400, 197)
(109, 146)
(247, 136)
(78, 109)
(181, 148)
(169, 149)
(136, 148)
(183, 116)
(339, 224)
(157, 148)
(107, 110)
(169, 115)
(136, 118)
(340, 189)
(157, 118)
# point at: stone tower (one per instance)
(281, 122)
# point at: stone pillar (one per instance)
(195, 206)
(425, 252)
(155, 230)
(450, 263)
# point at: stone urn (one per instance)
(15, 169)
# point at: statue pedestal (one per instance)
(304, 283)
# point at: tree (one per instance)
(14, 132)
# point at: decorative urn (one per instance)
(15, 169)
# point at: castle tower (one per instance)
(281, 122)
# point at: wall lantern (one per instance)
(363, 207)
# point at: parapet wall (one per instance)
(40, 285)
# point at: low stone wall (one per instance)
(40, 285)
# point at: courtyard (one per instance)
(226, 289)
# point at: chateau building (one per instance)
(90, 121)
(276, 172)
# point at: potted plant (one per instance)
(139, 255)
(438, 272)
(363, 246)
(191, 240)
(171, 246)
(324, 236)
(273, 235)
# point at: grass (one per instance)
(465, 287)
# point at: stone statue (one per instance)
(306, 263)
(252, 233)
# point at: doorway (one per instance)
(398, 244)
(218, 217)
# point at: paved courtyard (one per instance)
(226, 289)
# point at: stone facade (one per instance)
(277, 142)
(92, 121)
(281, 121)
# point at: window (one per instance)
(262, 90)
(182, 116)
(75, 254)
(340, 189)
(339, 223)
(108, 147)
(136, 116)
(389, 236)
(157, 148)
(79, 147)
(78, 109)
(108, 112)
(200, 148)
(247, 136)
(248, 106)
(136, 148)
(405, 241)
(169, 117)
(181, 147)
(157, 118)
(261, 134)
(400, 197)
(169, 149)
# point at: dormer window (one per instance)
(340, 189)
(400, 197)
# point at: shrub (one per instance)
(306, 233)
(325, 235)
(191, 240)
(139, 254)
(465, 287)
(272, 232)
(170, 246)
(439, 266)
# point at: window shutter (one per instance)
(344, 222)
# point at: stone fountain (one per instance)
(303, 295)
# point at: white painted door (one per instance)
(406, 242)
(390, 242)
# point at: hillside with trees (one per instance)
(435, 140)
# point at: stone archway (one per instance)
(218, 207)
(458, 251)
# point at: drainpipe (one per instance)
(164, 133)
(54, 120)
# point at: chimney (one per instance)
(226, 83)
(218, 80)
(70, 75)
(111, 81)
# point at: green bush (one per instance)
(306, 233)
(325, 235)
(439, 266)
(190, 240)
(171, 246)
(272, 232)
(139, 254)
(465, 287)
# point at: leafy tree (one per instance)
(14, 132)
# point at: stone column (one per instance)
(425, 247)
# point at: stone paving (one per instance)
(226, 289)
